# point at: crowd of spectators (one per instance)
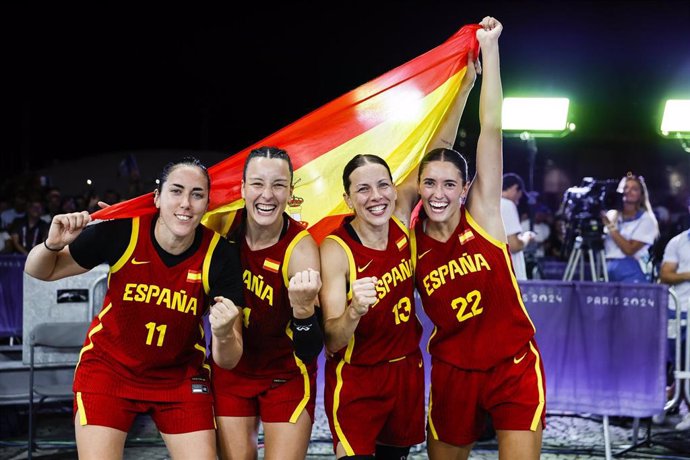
(27, 207)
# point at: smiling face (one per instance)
(632, 193)
(266, 189)
(441, 189)
(371, 194)
(182, 201)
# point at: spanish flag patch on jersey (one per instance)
(401, 243)
(271, 265)
(193, 276)
(466, 236)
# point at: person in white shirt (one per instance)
(675, 271)
(630, 232)
(513, 188)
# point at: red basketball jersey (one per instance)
(390, 329)
(147, 343)
(267, 337)
(469, 291)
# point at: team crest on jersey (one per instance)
(401, 243)
(466, 236)
(271, 265)
(193, 276)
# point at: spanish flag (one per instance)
(466, 236)
(193, 276)
(393, 116)
(271, 265)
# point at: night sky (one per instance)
(87, 82)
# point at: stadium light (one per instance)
(536, 117)
(532, 117)
(675, 122)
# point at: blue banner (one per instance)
(11, 295)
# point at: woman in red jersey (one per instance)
(145, 351)
(484, 358)
(374, 396)
(274, 382)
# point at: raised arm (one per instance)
(52, 260)
(484, 197)
(444, 137)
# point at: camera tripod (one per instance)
(593, 250)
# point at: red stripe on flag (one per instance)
(333, 124)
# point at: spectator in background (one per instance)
(5, 242)
(541, 226)
(630, 232)
(18, 209)
(30, 230)
(53, 201)
(513, 188)
(675, 271)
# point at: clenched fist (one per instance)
(363, 295)
(222, 317)
(303, 290)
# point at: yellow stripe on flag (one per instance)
(193, 276)
(401, 243)
(394, 116)
(271, 265)
(401, 142)
(466, 236)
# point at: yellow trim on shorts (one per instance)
(432, 428)
(540, 386)
(336, 404)
(80, 408)
(305, 377)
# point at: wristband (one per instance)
(612, 227)
(51, 249)
(304, 324)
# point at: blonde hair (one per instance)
(644, 203)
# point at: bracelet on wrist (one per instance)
(51, 249)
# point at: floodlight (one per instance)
(675, 122)
(536, 117)
(531, 117)
(676, 119)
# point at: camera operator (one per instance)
(630, 232)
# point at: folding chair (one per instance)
(67, 338)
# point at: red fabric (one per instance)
(332, 124)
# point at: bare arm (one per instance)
(16, 245)
(304, 270)
(57, 262)
(670, 274)
(340, 318)
(629, 247)
(483, 200)
(226, 327)
(444, 137)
